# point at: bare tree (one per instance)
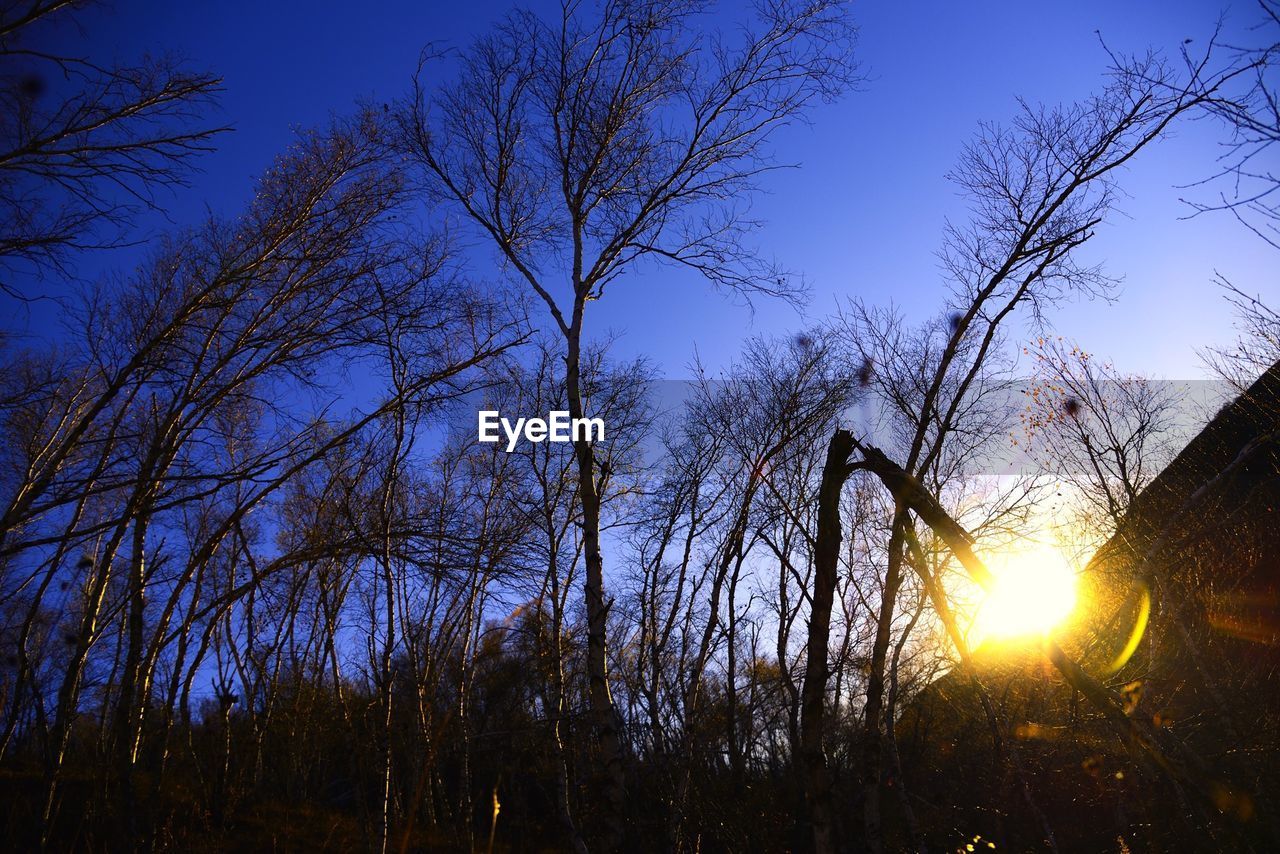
(83, 146)
(1257, 345)
(1252, 112)
(1037, 190)
(1102, 433)
(170, 406)
(582, 146)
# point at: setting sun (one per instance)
(1035, 590)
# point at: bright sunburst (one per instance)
(1035, 590)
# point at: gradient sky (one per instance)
(862, 215)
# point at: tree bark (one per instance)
(872, 746)
(817, 779)
(608, 743)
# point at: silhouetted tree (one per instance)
(84, 146)
(584, 145)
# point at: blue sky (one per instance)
(861, 215)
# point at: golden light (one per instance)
(1034, 592)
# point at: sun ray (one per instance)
(1034, 593)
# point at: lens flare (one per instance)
(1135, 636)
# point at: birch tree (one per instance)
(584, 145)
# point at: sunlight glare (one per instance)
(1034, 592)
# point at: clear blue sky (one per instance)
(862, 214)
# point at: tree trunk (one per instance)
(613, 784)
(891, 736)
(132, 700)
(813, 694)
(872, 746)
